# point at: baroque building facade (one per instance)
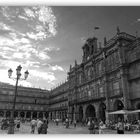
(108, 79)
(30, 102)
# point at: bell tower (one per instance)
(90, 48)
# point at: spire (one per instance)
(118, 30)
(105, 41)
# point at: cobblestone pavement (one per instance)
(60, 129)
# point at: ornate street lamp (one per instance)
(18, 77)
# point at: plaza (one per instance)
(60, 129)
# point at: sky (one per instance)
(45, 40)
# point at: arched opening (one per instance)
(1, 114)
(60, 115)
(28, 114)
(66, 114)
(51, 116)
(102, 109)
(90, 112)
(34, 115)
(40, 115)
(46, 115)
(8, 114)
(15, 114)
(118, 105)
(22, 114)
(80, 113)
(72, 117)
(138, 107)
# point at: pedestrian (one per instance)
(39, 125)
(83, 122)
(67, 123)
(75, 123)
(120, 127)
(91, 127)
(44, 127)
(57, 121)
(18, 124)
(101, 124)
(33, 125)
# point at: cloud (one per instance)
(43, 56)
(48, 76)
(57, 68)
(23, 32)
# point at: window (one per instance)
(116, 88)
(101, 92)
(100, 68)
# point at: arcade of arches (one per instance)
(24, 114)
(91, 111)
(58, 114)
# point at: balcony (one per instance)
(58, 108)
(87, 98)
(58, 100)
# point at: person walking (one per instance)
(101, 124)
(120, 127)
(18, 124)
(91, 127)
(33, 125)
(44, 127)
(75, 123)
(67, 123)
(39, 125)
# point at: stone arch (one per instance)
(90, 111)
(8, 114)
(1, 113)
(72, 112)
(138, 107)
(51, 116)
(15, 114)
(34, 114)
(46, 114)
(28, 114)
(102, 110)
(40, 115)
(22, 114)
(118, 105)
(80, 114)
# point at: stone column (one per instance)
(4, 114)
(124, 76)
(37, 114)
(18, 115)
(97, 113)
(106, 87)
(31, 115)
(125, 89)
(25, 113)
(44, 115)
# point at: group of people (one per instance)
(96, 127)
(5, 123)
(125, 125)
(41, 125)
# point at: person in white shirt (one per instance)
(39, 124)
(33, 125)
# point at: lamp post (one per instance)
(18, 77)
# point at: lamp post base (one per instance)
(11, 127)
